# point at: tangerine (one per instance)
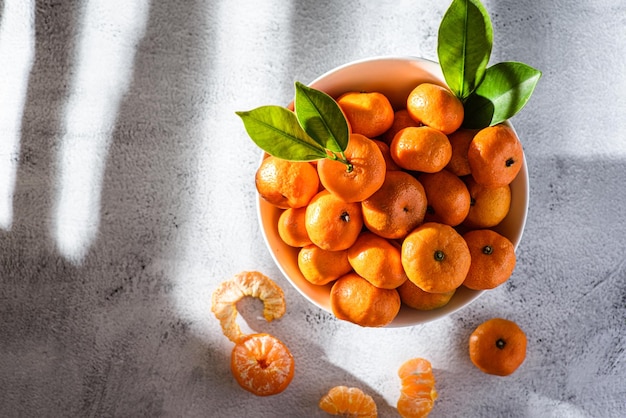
(292, 228)
(447, 196)
(421, 149)
(333, 224)
(377, 260)
(321, 266)
(363, 175)
(488, 205)
(460, 141)
(348, 402)
(397, 207)
(368, 113)
(435, 257)
(390, 164)
(435, 106)
(414, 297)
(262, 364)
(402, 119)
(354, 299)
(495, 156)
(493, 259)
(286, 184)
(498, 346)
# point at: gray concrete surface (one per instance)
(126, 196)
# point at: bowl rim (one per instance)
(468, 296)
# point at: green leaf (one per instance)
(321, 117)
(504, 91)
(276, 130)
(464, 45)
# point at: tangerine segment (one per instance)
(348, 402)
(435, 257)
(497, 346)
(262, 364)
(361, 178)
(248, 283)
(417, 391)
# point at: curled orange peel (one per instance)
(248, 283)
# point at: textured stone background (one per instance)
(126, 196)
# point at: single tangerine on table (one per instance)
(497, 346)
(361, 178)
(321, 266)
(447, 196)
(493, 259)
(495, 156)
(435, 106)
(489, 205)
(401, 120)
(435, 257)
(354, 299)
(417, 389)
(416, 298)
(377, 260)
(348, 402)
(286, 184)
(460, 141)
(333, 224)
(292, 228)
(421, 149)
(397, 207)
(368, 113)
(262, 364)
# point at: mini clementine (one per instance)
(460, 141)
(498, 346)
(488, 205)
(354, 299)
(368, 113)
(333, 224)
(414, 297)
(421, 149)
(495, 156)
(402, 119)
(435, 257)
(435, 106)
(321, 266)
(286, 184)
(377, 260)
(361, 178)
(493, 259)
(397, 207)
(292, 228)
(447, 196)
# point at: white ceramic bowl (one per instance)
(395, 77)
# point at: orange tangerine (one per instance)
(333, 224)
(495, 156)
(488, 205)
(402, 119)
(498, 346)
(421, 149)
(414, 297)
(377, 260)
(368, 113)
(447, 196)
(493, 259)
(364, 175)
(286, 184)
(435, 106)
(321, 266)
(292, 228)
(460, 141)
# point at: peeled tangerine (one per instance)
(348, 402)
(417, 393)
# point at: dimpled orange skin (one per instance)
(498, 347)
(331, 223)
(489, 205)
(286, 184)
(401, 120)
(421, 264)
(397, 207)
(377, 260)
(292, 229)
(493, 259)
(447, 196)
(368, 113)
(435, 106)
(414, 297)
(354, 299)
(495, 156)
(421, 148)
(460, 141)
(321, 266)
(365, 177)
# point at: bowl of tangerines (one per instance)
(394, 190)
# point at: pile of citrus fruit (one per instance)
(410, 218)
